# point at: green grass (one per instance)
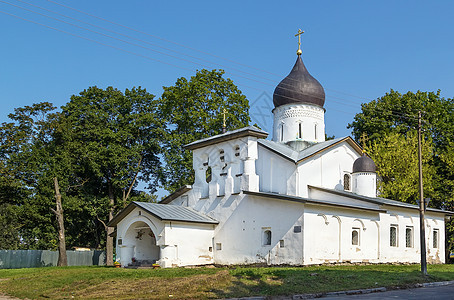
(185, 283)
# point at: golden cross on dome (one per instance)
(363, 139)
(300, 32)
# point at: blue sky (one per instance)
(358, 50)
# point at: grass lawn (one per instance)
(184, 283)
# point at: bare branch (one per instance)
(134, 180)
(102, 222)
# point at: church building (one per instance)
(296, 199)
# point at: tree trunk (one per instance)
(62, 257)
(109, 230)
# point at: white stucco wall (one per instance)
(326, 169)
(287, 120)
(172, 244)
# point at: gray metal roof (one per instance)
(378, 200)
(175, 213)
(229, 135)
(295, 156)
(164, 212)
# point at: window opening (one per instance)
(409, 237)
(282, 132)
(267, 237)
(300, 131)
(208, 175)
(221, 155)
(393, 236)
(237, 150)
(435, 238)
(218, 246)
(346, 182)
(281, 243)
(315, 128)
(355, 236)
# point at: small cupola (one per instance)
(364, 176)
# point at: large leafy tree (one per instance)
(113, 136)
(191, 110)
(390, 123)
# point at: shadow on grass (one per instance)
(290, 281)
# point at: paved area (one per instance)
(441, 292)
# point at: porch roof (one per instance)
(164, 212)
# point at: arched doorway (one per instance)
(139, 242)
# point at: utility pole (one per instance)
(422, 206)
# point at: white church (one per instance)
(296, 199)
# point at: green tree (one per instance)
(191, 110)
(396, 158)
(396, 113)
(113, 136)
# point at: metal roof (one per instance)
(175, 213)
(295, 156)
(378, 200)
(164, 212)
(229, 135)
(299, 87)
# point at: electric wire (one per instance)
(397, 114)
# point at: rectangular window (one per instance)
(435, 238)
(300, 131)
(297, 229)
(355, 236)
(218, 246)
(393, 236)
(409, 237)
(281, 243)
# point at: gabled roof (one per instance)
(229, 135)
(176, 194)
(164, 213)
(297, 157)
(378, 200)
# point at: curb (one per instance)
(345, 293)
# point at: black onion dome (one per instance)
(299, 87)
(364, 164)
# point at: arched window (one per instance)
(355, 236)
(346, 182)
(267, 237)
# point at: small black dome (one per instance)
(299, 87)
(364, 164)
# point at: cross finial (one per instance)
(224, 126)
(363, 139)
(300, 32)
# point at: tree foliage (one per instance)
(191, 110)
(390, 123)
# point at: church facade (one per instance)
(296, 199)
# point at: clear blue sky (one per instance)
(358, 50)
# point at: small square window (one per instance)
(210, 249)
(218, 246)
(120, 242)
(281, 243)
(297, 229)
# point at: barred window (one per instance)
(435, 238)
(346, 182)
(393, 236)
(409, 237)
